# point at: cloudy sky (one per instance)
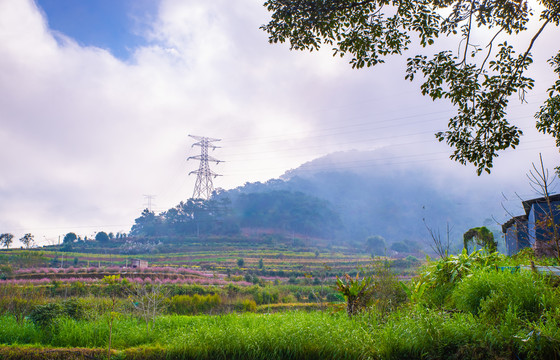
(97, 100)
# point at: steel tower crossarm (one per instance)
(204, 187)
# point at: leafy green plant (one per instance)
(357, 292)
(438, 278)
(195, 304)
(481, 236)
(490, 293)
(44, 315)
(387, 293)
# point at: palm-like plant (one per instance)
(357, 292)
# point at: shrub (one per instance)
(357, 292)
(44, 315)
(388, 294)
(376, 244)
(400, 246)
(5, 270)
(19, 307)
(491, 293)
(78, 288)
(290, 298)
(249, 305)
(438, 278)
(187, 304)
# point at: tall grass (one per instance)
(13, 332)
(409, 333)
(490, 293)
(313, 335)
(424, 333)
(482, 314)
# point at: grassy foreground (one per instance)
(314, 335)
(466, 306)
(411, 333)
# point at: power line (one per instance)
(204, 187)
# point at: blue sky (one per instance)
(98, 97)
(117, 25)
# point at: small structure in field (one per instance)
(537, 228)
(140, 264)
(516, 237)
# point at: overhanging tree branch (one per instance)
(480, 130)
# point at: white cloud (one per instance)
(85, 135)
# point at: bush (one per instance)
(5, 271)
(438, 279)
(388, 294)
(74, 308)
(78, 288)
(188, 305)
(44, 315)
(290, 298)
(400, 247)
(264, 296)
(491, 293)
(248, 305)
(376, 244)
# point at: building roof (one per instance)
(529, 203)
(513, 220)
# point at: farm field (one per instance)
(193, 258)
(274, 304)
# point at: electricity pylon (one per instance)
(203, 187)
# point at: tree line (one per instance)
(278, 210)
(6, 239)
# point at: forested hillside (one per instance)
(227, 213)
(395, 203)
(321, 199)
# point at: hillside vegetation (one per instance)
(476, 306)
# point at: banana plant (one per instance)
(357, 292)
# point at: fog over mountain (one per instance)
(393, 201)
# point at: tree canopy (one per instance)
(27, 240)
(279, 210)
(376, 244)
(477, 80)
(6, 239)
(481, 236)
(288, 211)
(69, 238)
(193, 217)
(101, 236)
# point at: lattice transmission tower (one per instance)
(204, 187)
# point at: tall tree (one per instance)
(6, 239)
(148, 224)
(376, 244)
(477, 80)
(70, 238)
(27, 240)
(102, 236)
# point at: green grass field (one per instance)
(461, 307)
